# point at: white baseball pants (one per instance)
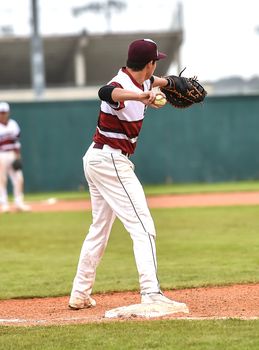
(116, 191)
(16, 177)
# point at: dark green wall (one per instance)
(216, 141)
(54, 138)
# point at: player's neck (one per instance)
(139, 76)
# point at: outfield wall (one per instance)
(213, 142)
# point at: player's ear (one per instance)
(150, 64)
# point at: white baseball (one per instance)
(160, 100)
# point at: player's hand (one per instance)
(147, 97)
(160, 100)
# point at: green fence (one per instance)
(213, 142)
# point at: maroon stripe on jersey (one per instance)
(109, 122)
(121, 104)
(114, 83)
(8, 142)
(124, 145)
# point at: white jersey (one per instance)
(9, 136)
(119, 125)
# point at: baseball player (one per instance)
(10, 161)
(114, 188)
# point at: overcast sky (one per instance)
(220, 37)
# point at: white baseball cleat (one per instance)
(23, 207)
(159, 298)
(5, 208)
(79, 303)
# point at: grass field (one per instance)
(164, 335)
(196, 247)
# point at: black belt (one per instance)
(100, 146)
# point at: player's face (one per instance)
(4, 117)
(151, 67)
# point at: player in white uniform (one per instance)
(9, 152)
(114, 188)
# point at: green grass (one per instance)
(66, 195)
(195, 247)
(176, 335)
(160, 190)
(202, 187)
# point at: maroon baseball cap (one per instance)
(143, 51)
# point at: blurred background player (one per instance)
(10, 161)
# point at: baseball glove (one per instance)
(17, 164)
(183, 92)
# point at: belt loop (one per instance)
(98, 145)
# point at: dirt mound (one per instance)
(237, 301)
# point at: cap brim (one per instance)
(161, 55)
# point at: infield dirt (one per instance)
(237, 301)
